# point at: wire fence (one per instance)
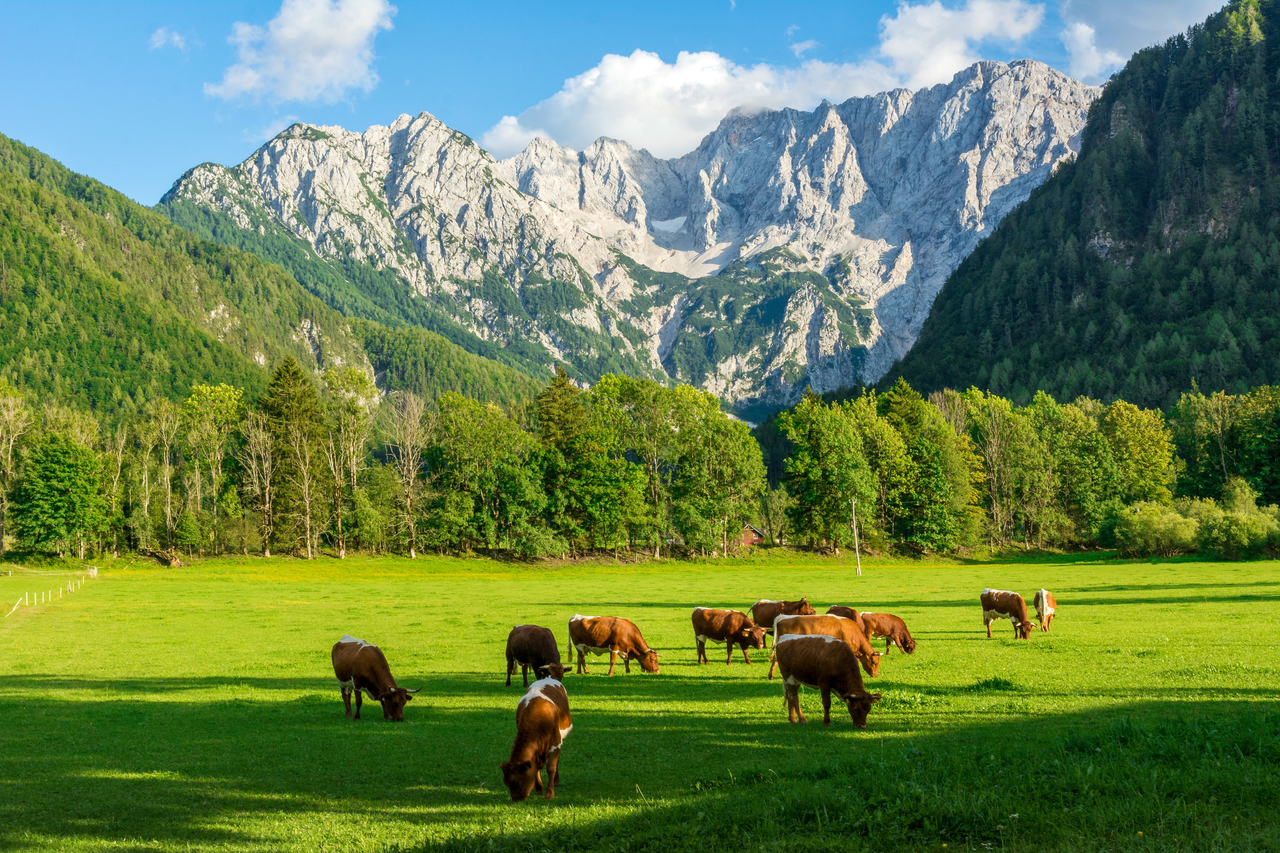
(44, 597)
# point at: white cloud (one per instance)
(791, 30)
(800, 47)
(165, 36)
(311, 49)
(929, 43)
(1116, 30)
(1087, 61)
(669, 107)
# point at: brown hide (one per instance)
(359, 666)
(731, 627)
(1046, 608)
(542, 723)
(890, 627)
(831, 626)
(764, 611)
(613, 634)
(841, 610)
(533, 647)
(827, 664)
(997, 603)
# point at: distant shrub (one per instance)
(1152, 529)
(1238, 528)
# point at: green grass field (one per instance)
(196, 709)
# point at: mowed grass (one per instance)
(196, 709)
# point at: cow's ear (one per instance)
(407, 697)
(876, 697)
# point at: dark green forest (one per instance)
(106, 305)
(1152, 261)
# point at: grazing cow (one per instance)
(599, 634)
(542, 724)
(890, 627)
(765, 610)
(534, 648)
(832, 626)
(725, 626)
(997, 603)
(1046, 606)
(827, 664)
(361, 666)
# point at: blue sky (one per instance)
(135, 93)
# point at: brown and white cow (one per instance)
(362, 666)
(766, 610)
(731, 627)
(999, 603)
(597, 635)
(1046, 605)
(831, 626)
(533, 648)
(542, 724)
(825, 663)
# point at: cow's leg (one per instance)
(346, 701)
(746, 657)
(730, 645)
(773, 662)
(988, 624)
(553, 774)
(511, 667)
(613, 659)
(524, 673)
(702, 650)
(888, 641)
(359, 700)
(826, 706)
(582, 663)
(626, 662)
(792, 694)
(537, 780)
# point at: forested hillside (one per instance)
(1150, 263)
(105, 304)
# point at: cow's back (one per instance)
(817, 659)
(353, 657)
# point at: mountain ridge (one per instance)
(572, 257)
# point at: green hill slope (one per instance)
(105, 304)
(1152, 261)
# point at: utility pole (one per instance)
(853, 509)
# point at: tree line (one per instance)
(632, 467)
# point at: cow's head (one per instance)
(805, 609)
(1025, 629)
(870, 662)
(393, 702)
(753, 636)
(551, 670)
(649, 661)
(909, 645)
(859, 705)
(519, 777)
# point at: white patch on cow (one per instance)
(703, 639)
(347, 638)
(1042, 605)
(590, 650)
(348, 685)
(513, 627)
(564, 733)
(764, 601)
(579, 618)
(535, 690)
(791, 680)
(862, 613)
(786, 638)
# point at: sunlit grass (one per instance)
(195, 708)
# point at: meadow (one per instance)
(195, 709)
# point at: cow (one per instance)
(362, 666)
(766, 610)
(533, 648)
(1046, 605)
(731, 627)
(832, 626)
(890, 627)
(997, 603)
(542, 724)
(841, 610)
(827, 664)
(615, 635)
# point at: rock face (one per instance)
(791, 249)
